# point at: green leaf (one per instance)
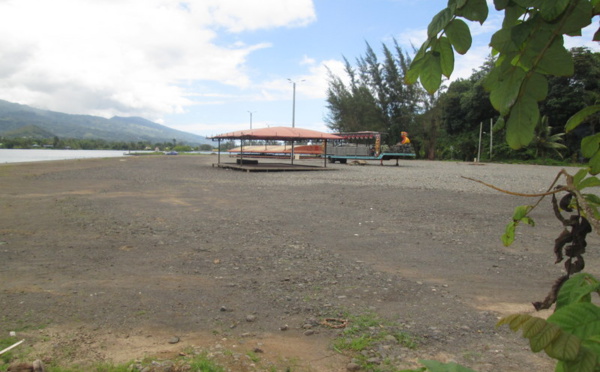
(564, 347)
(474, 10)
(512, 16)
(499, 125)
(580, 116)
(592, 198)
(501, 4)
(529, 3)
(578, 18)
(577, 289)
(588, 182)
(586, 362)
(431, 73)
(528, 220)
(536, 86)
(521, 32)
(580, 175)
(593, 344)
(590, 145)
(446, 56)
(581, 319)
(532, 327)
(435, 366)
(550, 10)
(459, 35)
(412, 75)
(505, 85)
(509, 234)
(456, 3)
(594, 164)
(546, 335)
(520, 212)
(439, 22)
(521, 123)
(597, 35)
(556, 61)
(502, 41)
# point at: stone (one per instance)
(352, 367)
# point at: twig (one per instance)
(564, 188)
(11, 347)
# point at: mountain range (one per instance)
(18, 120)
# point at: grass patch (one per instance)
(201, 363)
(363, 336)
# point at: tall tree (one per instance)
(376, 98)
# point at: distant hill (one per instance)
(24, 121)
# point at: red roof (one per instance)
(278, 133)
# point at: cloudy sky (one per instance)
(203, 66)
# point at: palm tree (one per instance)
(545, 141)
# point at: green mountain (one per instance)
(20, 120)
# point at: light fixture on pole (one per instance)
(251, 112)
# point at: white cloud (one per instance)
(236, 15)
(311, 85)
(128, 57)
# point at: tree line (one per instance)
(95, 144)
(373, 95)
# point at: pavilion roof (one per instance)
(278, 133)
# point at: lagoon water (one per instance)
(22, 156)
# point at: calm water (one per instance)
(21, 156)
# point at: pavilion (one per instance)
(287, 134)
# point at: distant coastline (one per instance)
(34, 155)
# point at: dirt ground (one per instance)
(110, 259)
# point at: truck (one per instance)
(366, 145)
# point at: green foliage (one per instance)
(571, 335)
(519, 216)
(365, 332)
(376, 97)
(201, 363)
(529, 48)
(544, 141)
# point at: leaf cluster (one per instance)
(571, 335)
(529, 47)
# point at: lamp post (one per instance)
(294, 102)
(293, 113)
(251, 112)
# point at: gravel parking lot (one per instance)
(112, 258)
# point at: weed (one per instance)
(365, 333)
(201, 363)
(253, 356)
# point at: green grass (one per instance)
(201, 363)
(365, 332)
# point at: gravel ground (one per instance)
(109, 259)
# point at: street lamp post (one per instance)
(294, 102)
(293, 112)
(251, 112)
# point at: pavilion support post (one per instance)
(242, 152)
(292, 152)
(219, 151)
(325, 155)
